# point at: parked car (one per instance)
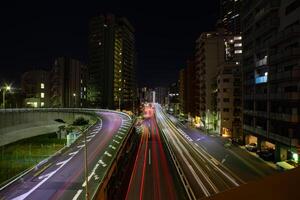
(267, 154)
(285, 165)
(236, 141)
(251, 147)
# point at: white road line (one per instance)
(77, 195)
(113, 147)
(108, 154)
(80, 146)
(116, 141)
(25, 195)
(73, 153)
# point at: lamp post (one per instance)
(74, 95)
(4, 90)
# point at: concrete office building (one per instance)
(68, 83)
(112, 63)
(271, 75)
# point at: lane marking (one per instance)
(25, 195)
(90, 136)
(77, 195)
(108, 154)
(73, 153)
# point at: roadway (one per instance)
(153, 176)
(205, 172)
(62, 176)
(245, 165)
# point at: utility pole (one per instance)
(87, 196)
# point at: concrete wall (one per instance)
(19, 124)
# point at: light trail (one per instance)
(203, 166)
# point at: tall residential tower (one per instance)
(112, 63)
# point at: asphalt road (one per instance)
(203, 160)
(245, 165)
(153, 176)
(62, 177)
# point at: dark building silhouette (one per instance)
(230, 15)
(271, 75)
(112, 62)
(68, 83)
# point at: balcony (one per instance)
(286, 96)
(280, 138)
(261, 96)
(285, 55)
(265, 28)
(257, 131)
(287, 34)
(289, 75)
(285, 117)
(262, 62)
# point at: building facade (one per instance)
(112, 63)
(230, 15)
(271, 75)
(187, 78)
(35, 85)
(68, 83)
(208, 57)
(229, 95)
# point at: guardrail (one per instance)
(101, 191)
(84, 110)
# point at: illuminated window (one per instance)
(42, 104)
(42, 95)
(237, 38)
(261, 79)
(238, 51)
(238, 44)
(42, 85)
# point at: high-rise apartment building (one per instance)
(208, 57)
(187, 88)
(68, 83)
(271, 75)
(161, 95)
(230, 15)
(112, 63)
(229, 95)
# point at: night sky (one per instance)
(33, 34)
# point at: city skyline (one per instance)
(128, 100)
(47, 35)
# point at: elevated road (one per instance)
(62, 176)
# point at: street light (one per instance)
(74, 95)
(5, 89)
